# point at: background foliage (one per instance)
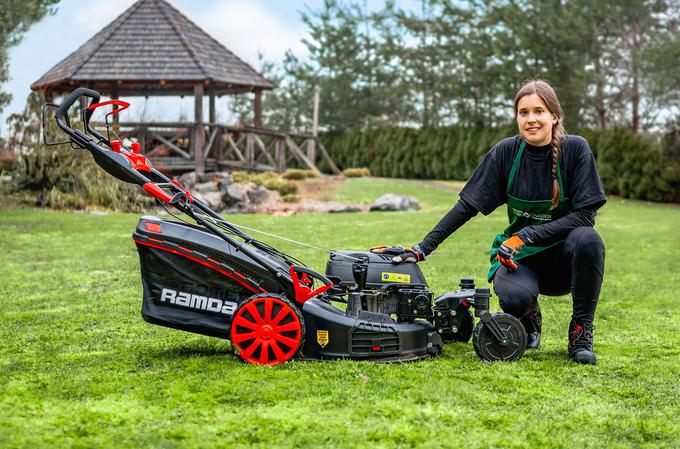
(632, 166)
(460, 63)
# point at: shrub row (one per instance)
(632, 166)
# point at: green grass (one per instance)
(80, 368)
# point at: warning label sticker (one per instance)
(322, 338)
(395, 277)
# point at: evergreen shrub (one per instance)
(639, 166)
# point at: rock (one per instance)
(392, 202)
(257, 194)
(327, 207)
(206, 187)
(188, 180)
(238, 208)
(198, 196)
(233, 194)
(335, 209)
(214, 200)
(205, 177)
(222, 179)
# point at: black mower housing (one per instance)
(194, 280)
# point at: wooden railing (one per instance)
(174, 144)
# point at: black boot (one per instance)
(532, 322)
(581, 342)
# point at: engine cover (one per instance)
(381, 271)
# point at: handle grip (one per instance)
(79, 92)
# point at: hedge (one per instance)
(632, 166)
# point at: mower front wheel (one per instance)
(267, 329)
(489, 349)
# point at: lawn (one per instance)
(80, 368)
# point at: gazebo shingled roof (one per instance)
(152, 49)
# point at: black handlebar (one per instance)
(79, 92)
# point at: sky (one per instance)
(246, 27)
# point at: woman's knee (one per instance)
(585, 242)
(515, 292)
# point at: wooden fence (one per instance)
(180, 147)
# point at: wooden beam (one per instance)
(172, 146)
(212, 120)
(235, 148)
(115, 118)
(211, 109)
(250, 150)
(258, 108)
(311, 149)
(330, 162)
(298, 152)
(280, 155)
(206, 150)
(264, 150)
(198, 137)
(311, 143)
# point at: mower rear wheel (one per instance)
(267, 329)
(489, 349)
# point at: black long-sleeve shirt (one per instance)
(487, 189)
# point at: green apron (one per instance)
(523, 213)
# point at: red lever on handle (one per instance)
(123, 105)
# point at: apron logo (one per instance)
(322, 338)
(524, 214)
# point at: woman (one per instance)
(552, 189)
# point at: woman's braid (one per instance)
(555, 147)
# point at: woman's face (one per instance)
(535, 120)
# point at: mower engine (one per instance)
(372, 283)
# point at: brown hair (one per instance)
(547, 93)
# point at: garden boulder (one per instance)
(392, 202)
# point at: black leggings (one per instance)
(575, 265)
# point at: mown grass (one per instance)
(80, 368)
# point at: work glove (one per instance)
(508, 249)
(401, 254)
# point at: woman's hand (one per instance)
(401, 254)
(507, 250)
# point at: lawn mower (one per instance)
(210, 277)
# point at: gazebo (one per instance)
(154, 50)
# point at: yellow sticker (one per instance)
(395, 277)
(322, 338)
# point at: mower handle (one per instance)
(79, 92)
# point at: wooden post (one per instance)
(250, 151)
(258, 109)
(280, 154)
(144, 139)
(211, 117)
(315, 122)
(311, 143)
(114, 118)
(198, 137)
(219, 144)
